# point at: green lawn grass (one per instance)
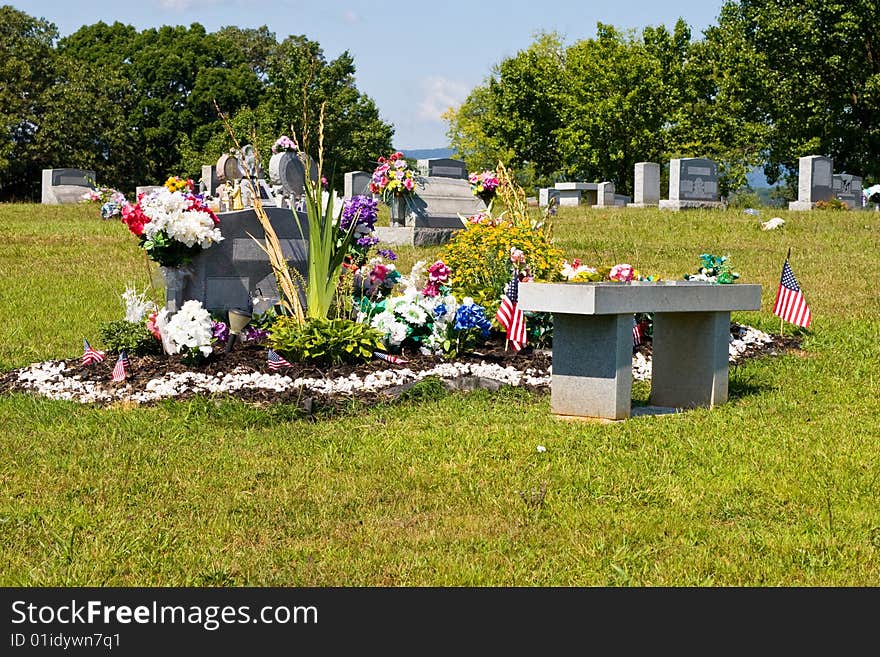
(779, 487)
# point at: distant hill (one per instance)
(426, 153)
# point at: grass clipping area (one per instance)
(778, 487)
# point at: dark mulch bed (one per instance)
(250, 357)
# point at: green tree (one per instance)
(815, 69)
(619, 100)
(27, 60)
(467, 132)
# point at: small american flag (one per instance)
(119, 369)
(790, 303)
(637, 333)
(90, 355)
(510, 315)
(276, 362)
(391, 358)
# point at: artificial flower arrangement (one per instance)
(358, 216)
(714, 269)
(191, 331)
(427, 316)
(111, 200)
(172, 226)
(484, 185)
(178, 184)
(284, 144)
(576, 272)
(393, 178)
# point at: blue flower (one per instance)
(470, 316)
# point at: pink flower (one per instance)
(151, 325)
(408, 183)
(621, 272)
(439, 272)
(432, 289)
(517, 257)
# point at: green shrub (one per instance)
(133, 337)
(332, 341)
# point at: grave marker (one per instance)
(693, 183)
(815, 179)
(442, 168)
(65, 185)
(646, 191)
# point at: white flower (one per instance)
(189, 328)
(136, 305)
(414, 314)
(541, 448)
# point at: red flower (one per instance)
(133, 217)
(382, 160)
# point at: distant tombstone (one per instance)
(208, 182)
(232, 272)
(228, 168)
(147, 189)
(545, 194)
(605, 195)
(355, 183)
(848, 188)
(443, 168)
(66, 185)
(693, 183)
(435, 214)
(287, 170)
(815, 180)
(646, 190)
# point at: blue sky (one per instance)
(415, 59)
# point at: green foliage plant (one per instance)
(134, 337)
(328, 246)
(321, 340)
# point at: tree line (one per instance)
(138, 106)
(774, 80)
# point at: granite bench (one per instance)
(592, 342)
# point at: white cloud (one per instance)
(438, 95)
(349, 16)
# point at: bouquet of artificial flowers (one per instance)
(392, 178)
(172, 226)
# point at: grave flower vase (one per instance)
(175, 279)
(398, 211)
(486, 197)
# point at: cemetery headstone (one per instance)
(228, 168)
(65, 185)
(208, 182)
(545, 194)
(442, 168)
(232, 272)
(605, 195)
(355, 183)
(815, 179)
(646, 190)
(435, 214)
(848, 188)
(146, 189)
(693, 183)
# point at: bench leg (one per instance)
(592, 366)
(690, 361)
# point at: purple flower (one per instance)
(220, 331)
(388, 254)
(360, 210)
(253, 334)
(368, 241)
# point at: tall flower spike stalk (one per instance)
(272, 248)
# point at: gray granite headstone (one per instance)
(815, 179)
(693, 183)
(545, 194)
(646, 190)
(65, 185)
(228, 168)
(356, 183)
(848, 188)
(146, 189)
(435, 214)
(228, 274)
(605, 195)
(208, 182)
(443, 168)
